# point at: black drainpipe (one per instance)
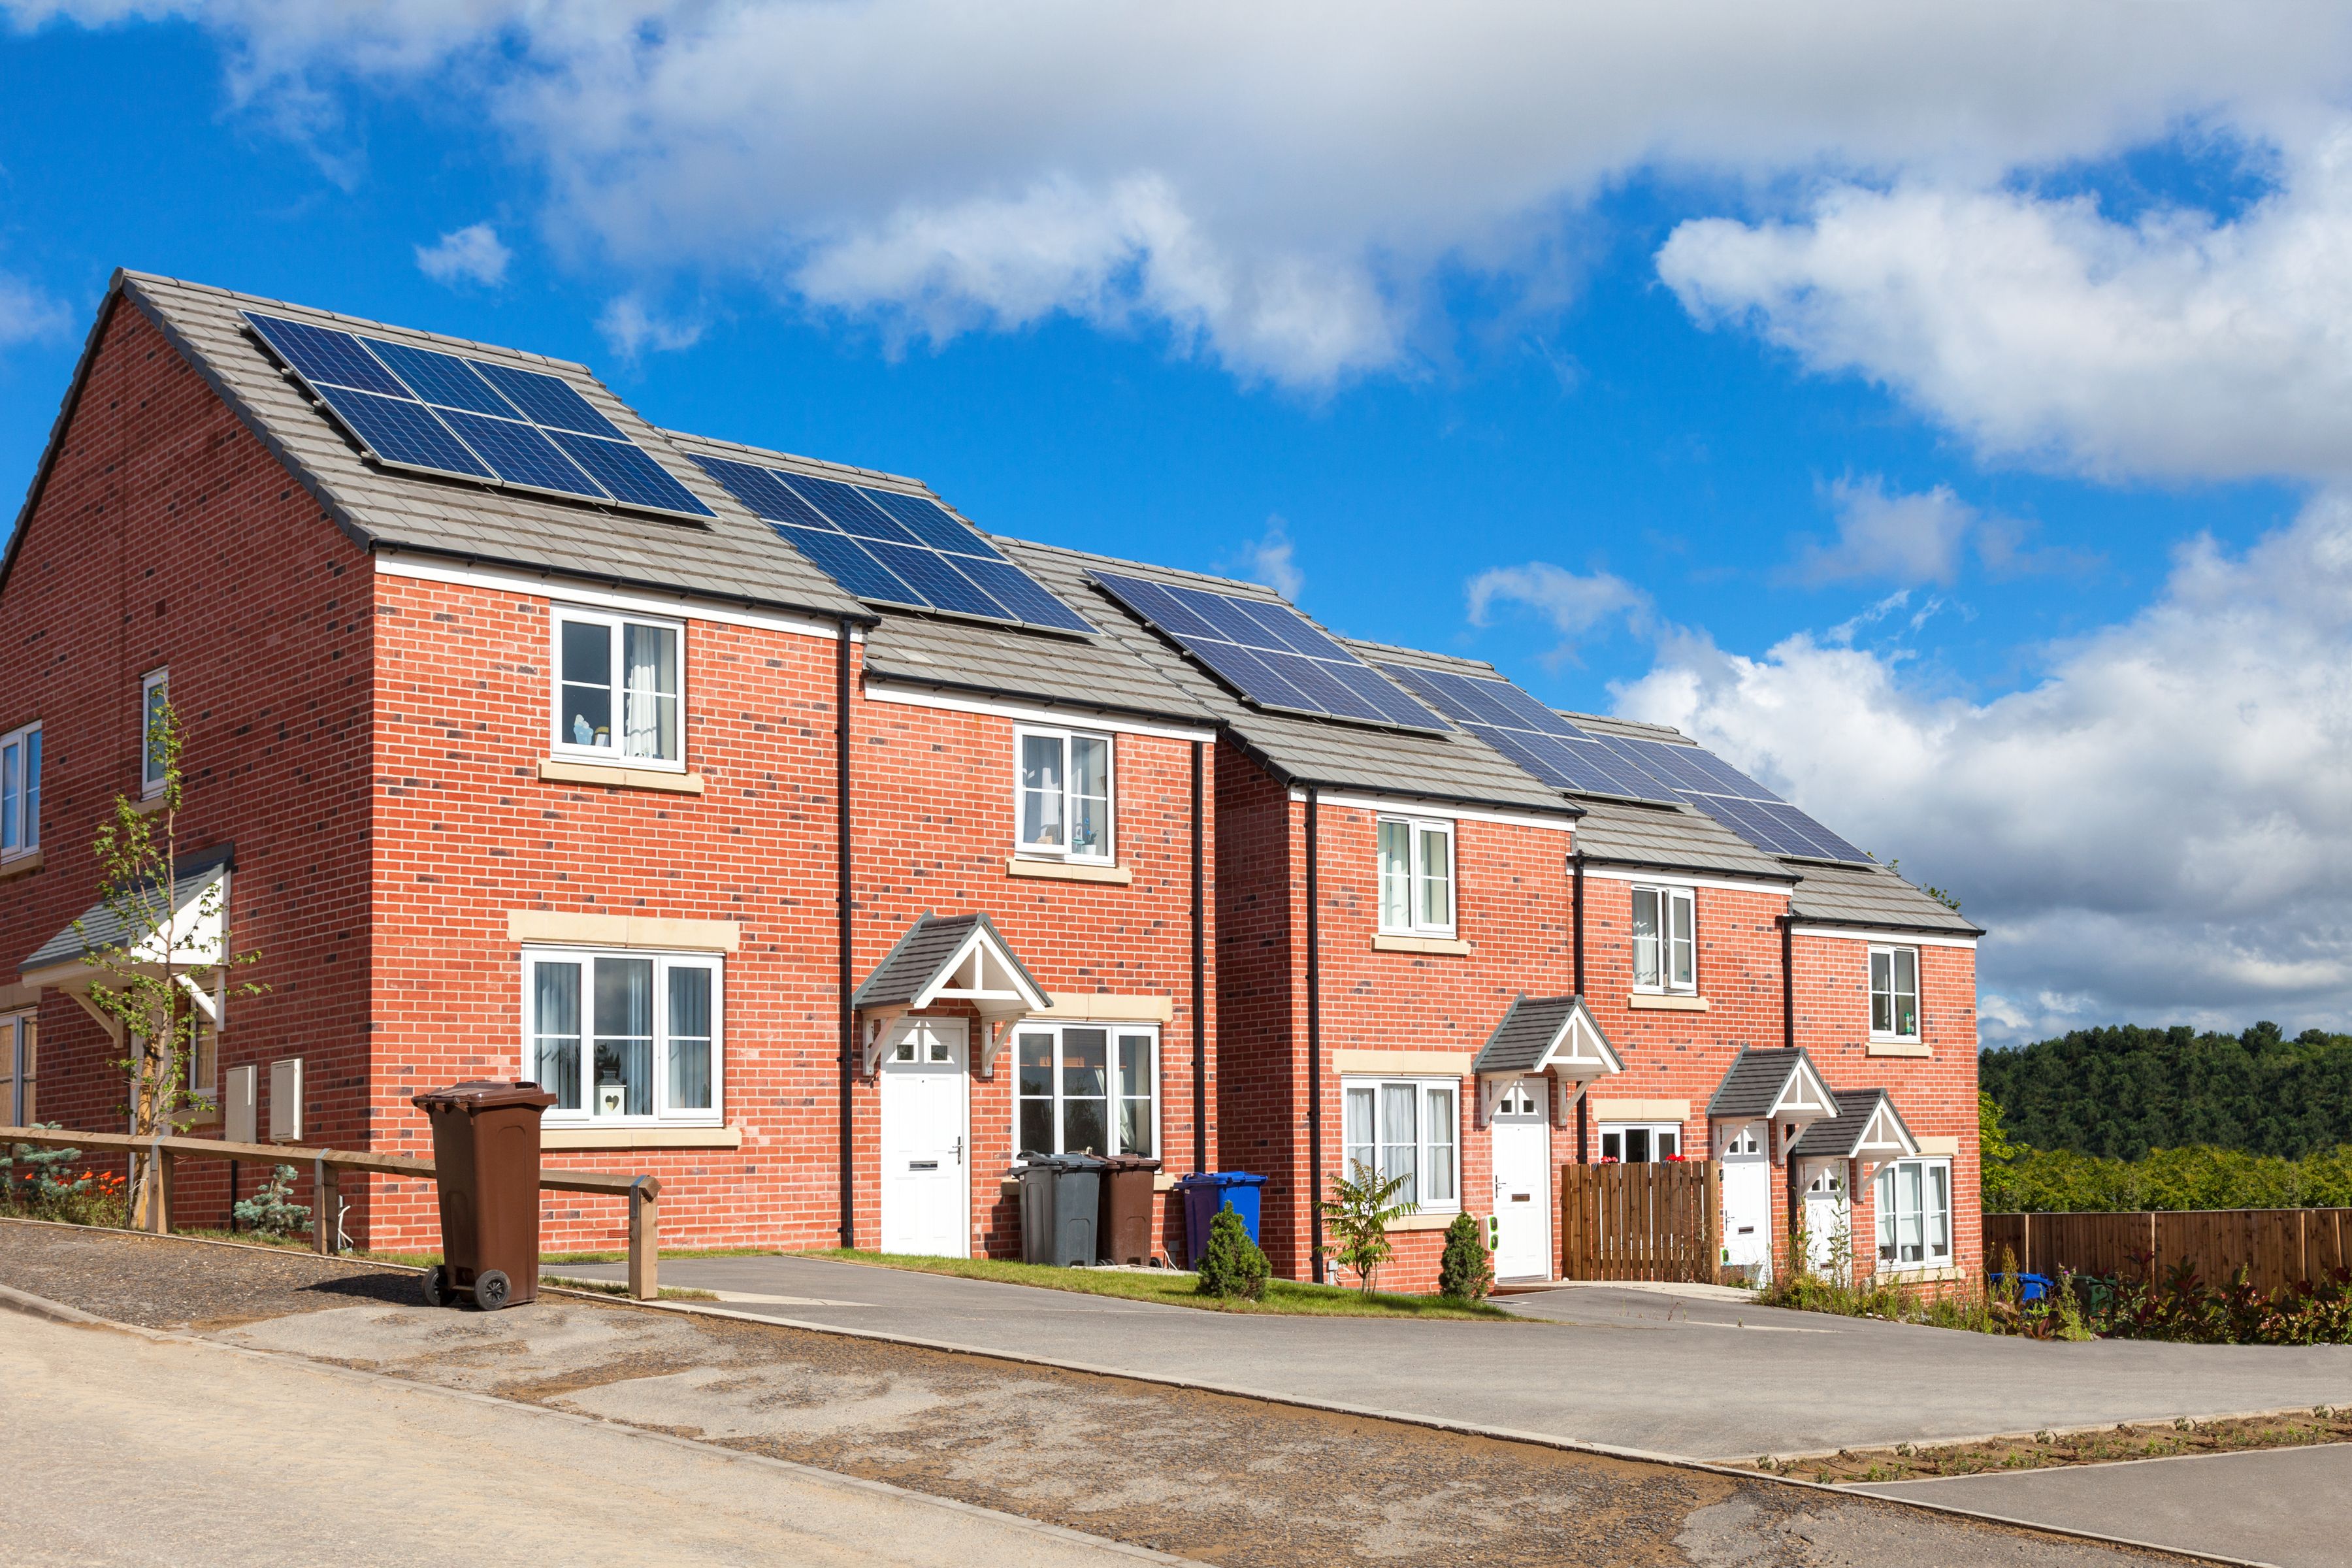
(1583, 1105)
(1313, 1043)
(841, 895)
(1200, 985)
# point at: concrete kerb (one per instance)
(2095, 1429)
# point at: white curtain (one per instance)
(650, 710)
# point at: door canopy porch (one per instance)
(1781, 1087)
(187, 932)
(958, 958)
(1554, 1035)
(1867, 1128)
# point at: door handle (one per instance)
(959, 1151)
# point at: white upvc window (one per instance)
(1087, 1089)
(1641, 1143)
(618, 691)
(1914, 1199)
(625, 1036)
(1416, 874)
(1062, 794)
(20, 1040)
(1665, 940)
(1408, 1127)
(20, 793)
(153, 693)
(1893, 993)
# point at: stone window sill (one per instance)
(1901, 1049)
(1421, 1222)
(553, 772)
(1652, 1002)
(149, 807)
(1070, 871)
(1453, 947)
(21, 866)
(641, 1138)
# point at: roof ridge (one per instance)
(776, 454)
(1184, 572)
(350, 323)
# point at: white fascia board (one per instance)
(1883, 938)
(547, 585)
(1022, 713)
(1682, 879)
(1446, 809)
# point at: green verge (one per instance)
(1171, 1289)
(300, 1242)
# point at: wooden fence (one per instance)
(2276, 1247)
(1639, 1222)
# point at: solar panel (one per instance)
(1538, 740)
(1709, 783)
(893, 548)
(1269, 653)
(443, 414)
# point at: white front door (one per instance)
(1746, 1196)
(1522, 1183)
(1827, 1212)
(926, 1138)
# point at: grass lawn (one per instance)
(1177, 1289)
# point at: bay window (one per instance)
(1416, 872)
(1063, 794)
(619, 693)
(1087, 1089)
(1409, 1128)
(1665, 940)
(20, 791)
(1914, 1199)
(624, 1036)
(1895, 993)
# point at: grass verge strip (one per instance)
(1171, 1289)
(2052, 1451)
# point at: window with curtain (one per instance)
(1665, 940)
(20, 1038)
(1416, 876)
(1063, 793)
(1087, 1089)
(619, 688)
(1895, 993)
(1914, 1200)
(20, 791)
(1409, 1128)
(625, 1036)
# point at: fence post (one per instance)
(326, 1215)
(155, 1196)
(645, 1238)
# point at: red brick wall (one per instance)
(1261, 1000)
(167, 535)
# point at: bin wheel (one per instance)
(436, 1286)
(490, 1289)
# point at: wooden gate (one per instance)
(1640, 1222)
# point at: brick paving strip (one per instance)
(1207, 1476)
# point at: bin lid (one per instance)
(1221, 1179)
(484, 1094)
(1130, 1162)
(1036, 1161)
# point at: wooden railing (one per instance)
(1640, 1222)
(2275, 1246)
(643, 1193)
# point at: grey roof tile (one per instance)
(927, 947)
(1872, 896)
(1840, 1137)
(1753, 1084)
(1528, 1030)
(102, 927)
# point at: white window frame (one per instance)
(151, 778)
(1887, 1188)
(1114, 1080)
(20, 809)
(20, 1077)
(1417, 876)
(665, 961)
(1043, 850)
(1893, 954)
(1655, 1130)
(1671, 897)
(559, 734)
(1424, 1145)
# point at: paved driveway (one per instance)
(1671, 1374)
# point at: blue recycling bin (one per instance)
(2030, 1287)
(1205, 1196)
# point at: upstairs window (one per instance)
(1665, 940)
(1416, 873)
(624, 1036)
(20, 793)
(1409, 1128)
(620, 689)
(1064, 795)
(152, 697)
(1895, 993)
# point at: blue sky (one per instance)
(1891, 417)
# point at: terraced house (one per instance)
(822, 852)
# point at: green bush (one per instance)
(1359, 1213)
(1233, 1265)
(1467, 1271)
(268, 1211)
(39, 1183)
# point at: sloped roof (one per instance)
(1531, 1030)
(922, 955)
(1875, 896)
(101, 927)
(1757, 1080)
(1847, 1134)
(734, 557)
(1670, 839)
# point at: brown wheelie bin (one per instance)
(1128, 1205)
(486, 1158)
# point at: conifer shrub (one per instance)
(1467, 1271)
(1233, 1267)
(269, 1211)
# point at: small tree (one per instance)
(1467, 1271)
(149, 981)
(271, 1211)
(1232, 1264)
(1360, 1213)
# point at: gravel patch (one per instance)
(161, 1282)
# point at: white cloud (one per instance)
(1576, 605)
(1271, 558)
(2158, 830)
(630, 327)
(2041, 330)
(1280, 189)
(1900, 538)
(27, 313)
(468, 255)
